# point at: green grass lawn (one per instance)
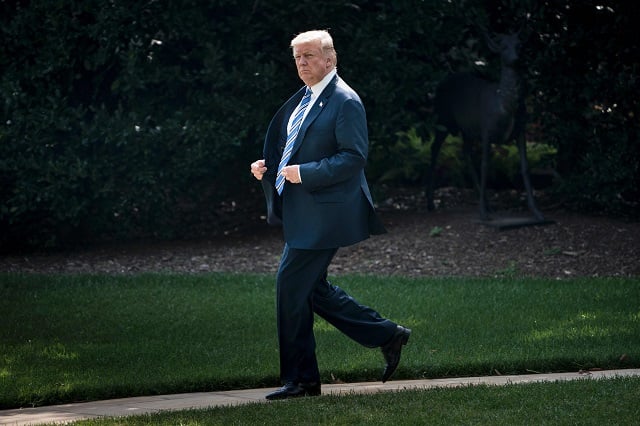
(583, 402)
(81, 337)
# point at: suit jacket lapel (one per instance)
(316, 109)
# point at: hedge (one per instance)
(137, 119)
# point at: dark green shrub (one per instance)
(129, 120)
(120, 121)
(407, 161)
(505, 168)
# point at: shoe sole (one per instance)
(300, 395)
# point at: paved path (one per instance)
(153, 404)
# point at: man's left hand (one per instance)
(291, 173)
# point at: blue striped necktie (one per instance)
(291, 137)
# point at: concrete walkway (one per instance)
(153, 404)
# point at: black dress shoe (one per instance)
(392, 350)
(294, 390)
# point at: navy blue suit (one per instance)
(330, 208)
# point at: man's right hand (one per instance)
(258, 169)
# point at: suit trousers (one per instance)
(302, 289)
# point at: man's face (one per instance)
(311, 62)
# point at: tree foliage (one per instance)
(134, 119)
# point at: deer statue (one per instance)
(485, 113)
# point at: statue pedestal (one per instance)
(505, 223)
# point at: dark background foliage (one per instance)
(126, 120)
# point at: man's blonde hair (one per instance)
(323, 37)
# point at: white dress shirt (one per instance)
(316, 89)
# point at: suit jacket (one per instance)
(332, 207)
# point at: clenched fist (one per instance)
(258, 169)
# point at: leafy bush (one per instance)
(136, 120)
(614, 177)
(505, 163)
(407, 162)
(120, 121)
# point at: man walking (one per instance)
(312, 174)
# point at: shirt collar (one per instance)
(322, 84)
